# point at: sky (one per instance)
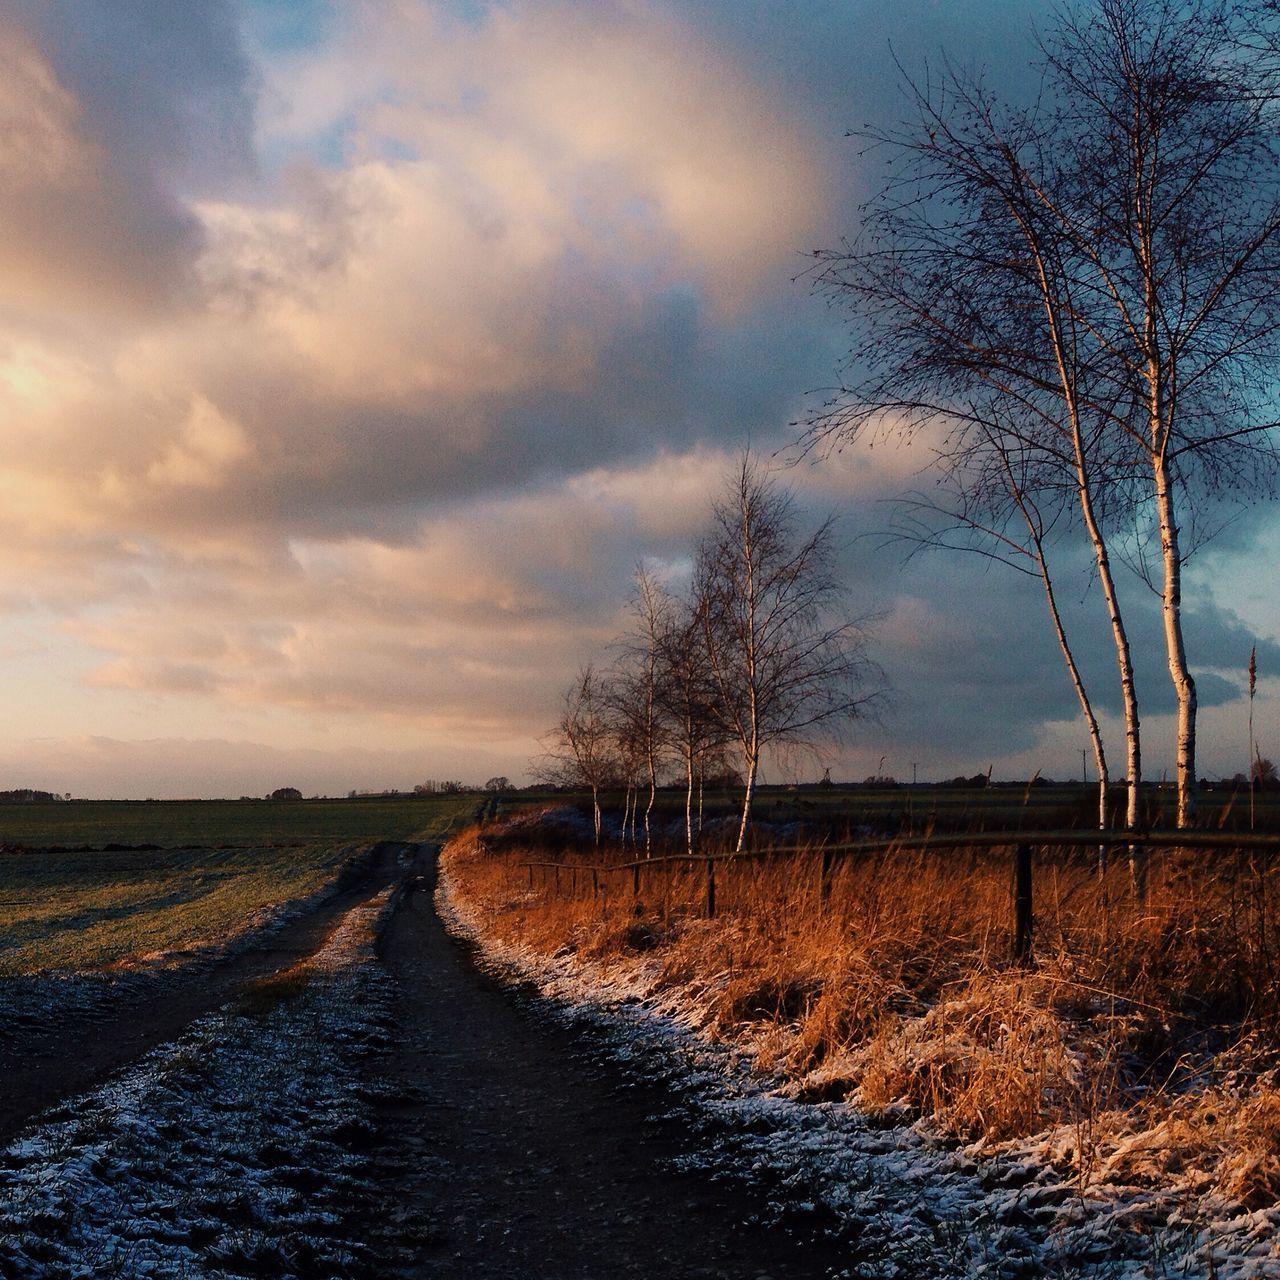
(352, 355)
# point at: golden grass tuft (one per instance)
(991, 1061)
(264, 994)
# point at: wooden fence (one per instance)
(1023, 845)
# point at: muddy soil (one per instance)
(52, 1054)
(523, 1153)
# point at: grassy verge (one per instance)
(1141, 1049)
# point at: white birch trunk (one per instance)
(1086, 706)
(1102, 558)
(1184, 684)
(688, 798)
(648, 810)
(702, 786)
(1124, 660)
(753, 765)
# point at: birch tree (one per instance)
(967, 331)
(687, 701)
(584, 742)
(639, 684)
(1105, 266)
(784, 664)
(1173, 220)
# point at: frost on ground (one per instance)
(54, 998)
(243, 1149)
(924, 1206)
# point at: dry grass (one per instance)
(266, 993)
(1143, 1043)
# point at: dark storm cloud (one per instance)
(130, 108)
(971, 662)
(165, 88)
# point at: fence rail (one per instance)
(1023, 844)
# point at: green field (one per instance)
(178, 823)
(68, 903)
(93, 910)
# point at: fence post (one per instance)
(635, 880)
(1022, 904)
(1138, 872)
(595, 883)
(711, 889)
(557, 877)
(827, 860)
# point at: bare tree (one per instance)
(1103, 266)
(583, 745)
(784, 665)
(639, 685)
(967, 330)
(686, 701)
(1173, 218)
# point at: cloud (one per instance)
(346, 374)
(39, 142)
(523, 258)
(519, 268)
(468, 627)
(107, 117)
(208, 446)
(625, 121)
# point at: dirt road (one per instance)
(530, 1157)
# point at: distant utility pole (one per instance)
(913, 773)
(1254, 771)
